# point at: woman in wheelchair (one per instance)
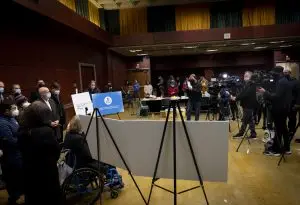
(76, 142)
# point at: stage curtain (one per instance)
(82, 8)
(226, 15)
(192, 17)
(287, 12)
(161, 18)
(102, 18)
(133, 21)
(112, 22)
(259, 16)
(94, 14)
(69, 3)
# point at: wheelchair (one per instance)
(84, 186)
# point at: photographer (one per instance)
(281, 101)
(194, 94)
(247, 96)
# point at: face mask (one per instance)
(25, 104)
(93, 87)
(18, 90)
(15, 113)
(1, 90)
(57, 92)
(47, 96)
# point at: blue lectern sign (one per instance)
(108, 103)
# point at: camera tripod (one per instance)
(175, 104)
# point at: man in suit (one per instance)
(35, 94)
(45, 97)
(55, 96)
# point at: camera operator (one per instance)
(195, 95)
(224, 103)
(247, 96)
(233, 104)
(280, 106)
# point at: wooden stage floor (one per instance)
(253, 179)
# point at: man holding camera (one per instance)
(280, 106)
(195, 95)
(247, 97)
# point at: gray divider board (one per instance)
(139, 142)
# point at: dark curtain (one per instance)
(82, 8)
(102, 19)
(112, 21)
(224, 15)
(287, 12)
(161, 18)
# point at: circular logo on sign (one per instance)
(107, 100)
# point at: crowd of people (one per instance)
(31, 136)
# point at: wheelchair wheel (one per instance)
(83, 187)
(114, 194)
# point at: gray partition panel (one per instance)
(139, 142)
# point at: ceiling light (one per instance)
(211, 50)
(247, 44)
(190, 47)
(134, 51)
(142, 54)
(261, 47)
(275, 42)
(285, 46)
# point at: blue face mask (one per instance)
(1, 90)
(18, 90)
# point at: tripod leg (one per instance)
(243, 140)
(122, 158)
(90, 122)
(98, 147)
(159, 154)
(193, 154)
(174, 150)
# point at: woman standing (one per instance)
(40, 151)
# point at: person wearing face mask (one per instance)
(55, 96)
(54, 118)
(281, 101)
(22, 103)
(247, 97)
(35, 95)
(11, 161)
(108, 87)
(15, 91)
(2, 86)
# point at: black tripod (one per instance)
(97, 114)
(175, 104)
(244, 137)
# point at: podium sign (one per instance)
(82, 103)
(108, 103)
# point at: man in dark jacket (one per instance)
(281, 101)
(11, 161)
(248, 102)
(54, 118)
(35, 94)
(195, 95)
(55, 96)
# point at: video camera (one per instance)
(224, 81)
(266, 80)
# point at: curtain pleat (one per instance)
(224, 15)
(133, 21)
(94, 14)
(161, 18)
(102, 18)
(69, 3)
(287, 12)
(82, 8)
(112, 21)
(259, 16)
(192, 17)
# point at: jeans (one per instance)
(190, 105)
(248, 118)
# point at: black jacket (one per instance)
(40, 151)
(54, 116)
(195, 94)
(247, 96)
(78, 145)
(282, 98)
(295, 91)
(60, 109)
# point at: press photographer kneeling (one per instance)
(281, 101)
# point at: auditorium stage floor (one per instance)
(253, 179)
